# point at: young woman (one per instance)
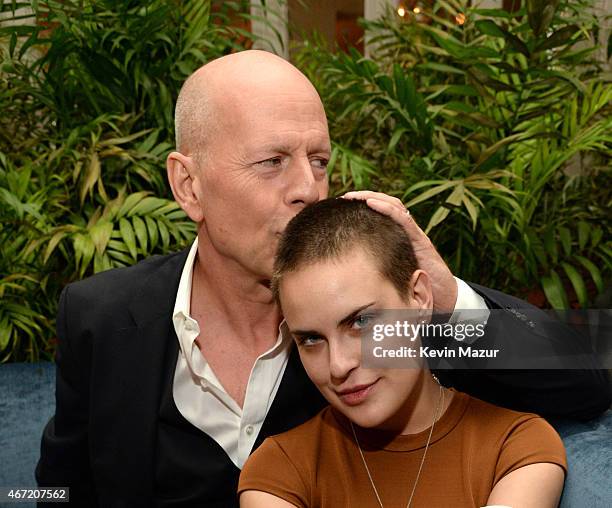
(391, 437)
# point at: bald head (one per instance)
(208, 95)
(253, 148)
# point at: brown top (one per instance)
(474, 445)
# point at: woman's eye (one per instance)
(362, 321)
(310, 340)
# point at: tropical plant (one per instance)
(494, 128)
(87, 92)
(495, 131)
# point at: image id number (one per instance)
(48, 494)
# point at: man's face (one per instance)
(327, 306)
(266, 161)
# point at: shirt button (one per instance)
(249, 430)
(189, 326)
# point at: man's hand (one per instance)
(443, 283)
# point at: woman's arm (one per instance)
(258, 499)
(532, 486)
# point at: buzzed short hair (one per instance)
(332, 227)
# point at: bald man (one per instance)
(171, 372)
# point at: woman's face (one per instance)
(328, 307)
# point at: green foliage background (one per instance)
(496, 133)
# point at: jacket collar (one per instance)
(157, 293)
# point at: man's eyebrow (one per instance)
(274, 147)
(350, 317)
(282, 146)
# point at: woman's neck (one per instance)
(426, 404)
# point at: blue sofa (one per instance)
(27, 402)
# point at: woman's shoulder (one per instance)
(515, 438)
(308, 436)
(500, 418)
(302, 441)
(285, 463)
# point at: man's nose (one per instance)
(344, 356)
(303, 187)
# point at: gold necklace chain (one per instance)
(416, 481)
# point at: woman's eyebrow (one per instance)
(347, 319)
(342, 322)
(303, 333)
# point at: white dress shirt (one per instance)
(202, 400)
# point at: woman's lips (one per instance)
(353, 397)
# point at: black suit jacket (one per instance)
(114, 332)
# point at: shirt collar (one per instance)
(182, 306)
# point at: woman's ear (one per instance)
(422, 296)
(183, 176)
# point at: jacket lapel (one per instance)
(138, 358)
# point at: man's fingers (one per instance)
(386, 208)
(365, 195)
(394, 208)
(400, 216)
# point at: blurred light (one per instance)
(416, 10)
(460, 18)
(401, 11)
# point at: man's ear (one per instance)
(182, 175)
(422, 296)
